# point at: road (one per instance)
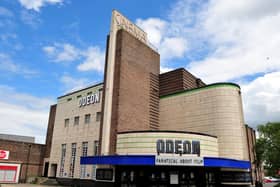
(269, 184)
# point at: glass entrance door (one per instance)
(161, 177)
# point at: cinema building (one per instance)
(143, 128)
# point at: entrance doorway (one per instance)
(160, 176)
(53, 170)
(46, 169)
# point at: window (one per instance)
(76, 120)
(84, 148)
(89, 93)
(73, 158)
(79, 96)
(62, 160)
(96, 147)
(66, 122)
(69, 99)
(84, 153)
(87, 118)
(98, 116)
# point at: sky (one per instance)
(52, 47)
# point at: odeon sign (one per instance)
(90, 99)
(123, 23)
(178, 147)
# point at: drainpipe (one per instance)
(27, 163)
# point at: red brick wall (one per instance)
(29, 155)
(178, 80)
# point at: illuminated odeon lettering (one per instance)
(178, 147)
(90, 99)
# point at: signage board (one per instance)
(4, 154)
(122, 22)
(90, 99)
(178, 147)
(179, 161)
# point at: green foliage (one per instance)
(268, 147)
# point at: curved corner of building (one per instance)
(214, 109)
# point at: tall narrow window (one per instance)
(87, 118)
(76, 120)
(96, 146)
(84, 148)
(73, 158)
(62, 160)
(98, 116)
(84, 153)
(66, 122)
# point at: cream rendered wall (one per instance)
(215, 109)
(75, 134)
(143, 143)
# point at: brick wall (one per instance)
(136, 91)
(251, 141)
(178, 80)
(29, 155)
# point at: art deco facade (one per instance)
(143, 128)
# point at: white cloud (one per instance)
(155, 28)
(165, 69)
(49, 50)
(226, 41)
(6, 12)
(219, 37)
(94, 60)
(92, 57)
(23, 114)
(169, 46)
(37, 4)
(71, 84)
(173, 47)
(261, 99)
(30, 18)
(8, 66)
(62, 52)
(241, 34)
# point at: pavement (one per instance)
(36, 185)
(25, 185)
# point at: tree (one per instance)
(268, 147)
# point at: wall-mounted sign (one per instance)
(179, 161)
(4, 154)
(90, 99)
(178, 147)
(123, 23)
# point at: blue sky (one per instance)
(51, 47)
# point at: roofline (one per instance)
(23, 142)
(167, 131)
(98, 84)
(173, 70)
(202, 88)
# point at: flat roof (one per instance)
(214, 85)
(98, 84)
